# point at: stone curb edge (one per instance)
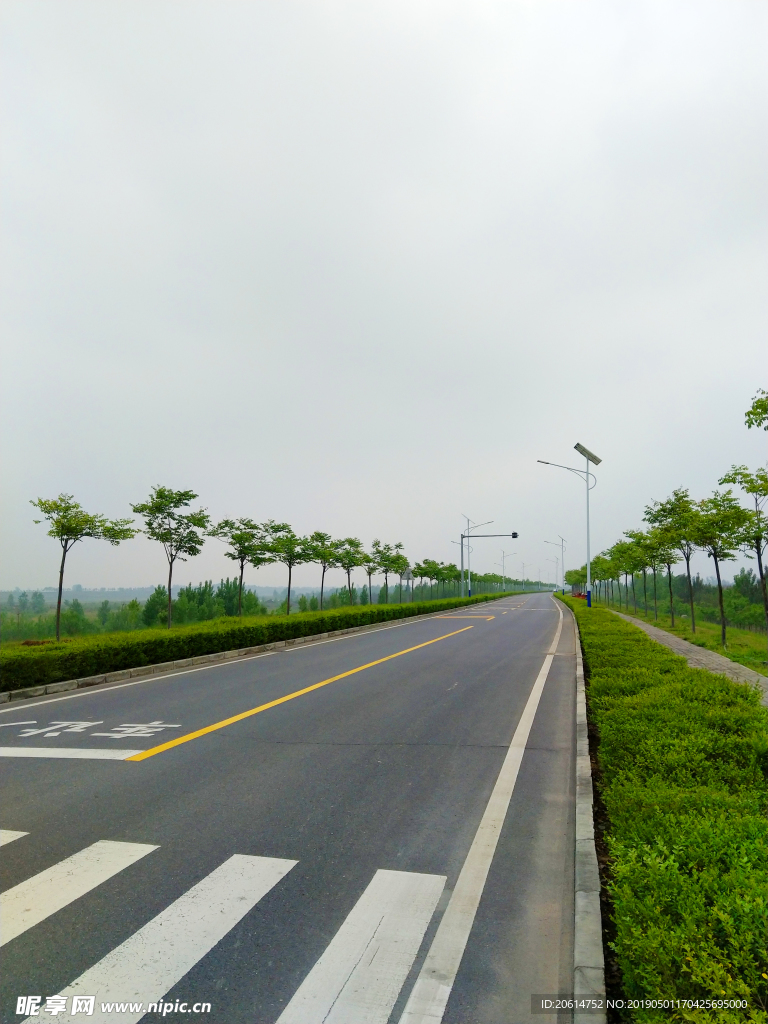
(208, 659)
(588, 959)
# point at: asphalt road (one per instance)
(310, 861)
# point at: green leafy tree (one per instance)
(180, 533)
(757, 414)
(400, 565)
(659, 552)
(721, 526)
(247, 542)
(68, 523)
(756, 530)
(286, 547)
(37, 603)
(155, 606)
(678, 517)
(103, 613)
(324, 551)
(349, 556)
(371, 566)
(384, 554)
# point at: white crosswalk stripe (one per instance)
(358, 978)
(7, 835)
(148, 964)
(31, 902)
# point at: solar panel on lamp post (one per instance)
(585, 474)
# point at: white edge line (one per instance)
(107, 687)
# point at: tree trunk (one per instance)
(645, 592)
(634, 595)
(170, 577)
(349, 586)
(288, 599)
(671, 597)
(65, 548)
(240, 593)
(322, 587)
(720, 599)
(690, 592)
(763, 587)
(655, 598)
(370, 591)
(386, 588)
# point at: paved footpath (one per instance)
(700, 657)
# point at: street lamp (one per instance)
(504, 555)
(523, 579)
(561, 545)
(556, 560)
(585, 475)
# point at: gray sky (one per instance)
(357, 266)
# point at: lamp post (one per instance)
(561, 545)
(504, 555)
(585, 474)
(523, 579)
(556, 560)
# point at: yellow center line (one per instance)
(281, 700)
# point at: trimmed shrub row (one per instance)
(682, 755)
(89, 656)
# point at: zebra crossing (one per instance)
(357, 980)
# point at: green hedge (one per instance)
(110, 652)
(683, 755)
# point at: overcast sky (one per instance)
(358, 266)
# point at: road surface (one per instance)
(377, 827)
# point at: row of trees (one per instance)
(679, 526)
(182, 531)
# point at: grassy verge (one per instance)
(109, 652)
(682, 757)
(744, 647)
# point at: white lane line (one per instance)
(358, 978)
(144, 967)
(7, 835)
(432, 990)
(89, 753)
(31, 902)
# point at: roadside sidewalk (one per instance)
(700, 657)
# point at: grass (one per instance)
(681, 756)
(743, 646)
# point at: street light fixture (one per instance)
(585, 474)
(561, 545)
(504, 555)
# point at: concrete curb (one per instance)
(588, 960)
(211, 659)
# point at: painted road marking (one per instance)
(92, 753)
(432, 990)
(31, 902)
(142, 755)
(157, 956)
(7, 835)
(358, 978)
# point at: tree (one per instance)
(400, 565)
(384, 554)
(248, 544)
(69, 524)
(658, 550)
(180, 533)
(757, 414)
(371, 565)
(288, 548)
(678, 516)
(349, 556)
(756, 530)
(323, 550)
(720, 532)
